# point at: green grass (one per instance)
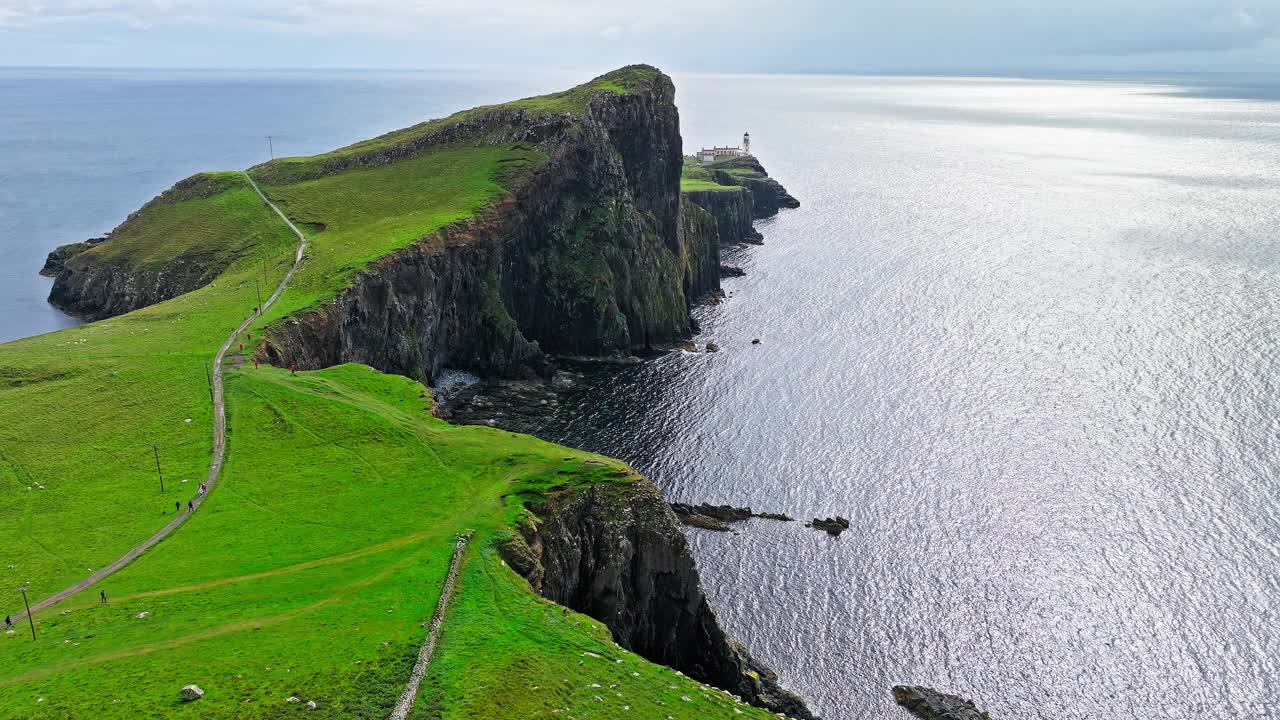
(79, 407)
(506, 653)
(207, 220)
(331, 531)
(368, 213)
(695, 178)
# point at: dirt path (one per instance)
(219, 431)
(405, 703)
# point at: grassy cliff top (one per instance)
(574, 101)
(696, 178)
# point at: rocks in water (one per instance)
(688, 347)
(929, 704)
(191, 692)
(721, 514)
(709, 517)
(731, 271)
(712, 347)
(704, 522)
(724, 513)
(755, 341)
(833, 526)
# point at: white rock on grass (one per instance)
(311, 705)
(191, 692)
(293, 699)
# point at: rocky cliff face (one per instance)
(733, 210)
(93, 290)
(616, 553)
(593, 254)
(767, 194)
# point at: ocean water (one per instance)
(1024, 334)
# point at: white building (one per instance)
(711, 154)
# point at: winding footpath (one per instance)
(219, 429)
(410, 694)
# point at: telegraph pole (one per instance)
(27, 605)
(271, 148)
(208, 376)
(258, 289)
(156, 449)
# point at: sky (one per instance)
(682, 35)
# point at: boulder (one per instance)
(311, 705)
(712, 347)
(191, 692)
(929, 704)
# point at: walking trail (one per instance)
(405, 703)
(219, 430)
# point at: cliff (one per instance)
(159, 252)
(618, 555)
(768, 195)
(733, 210)
(592, 253)
(736, 192)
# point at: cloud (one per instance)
(750, 35)
(373, 16)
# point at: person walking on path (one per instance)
(103, 595)
(8, 621)
(190, 506)
(177, 506)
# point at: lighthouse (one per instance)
(746, 142)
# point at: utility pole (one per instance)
(258, 289)
(156, 450)
(271, 148)
(27, 605)
(208, 376)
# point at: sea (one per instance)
(1023, 332)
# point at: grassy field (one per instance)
(693, 177)
(309, 571)
(79, 408)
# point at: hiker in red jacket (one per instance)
(293, 369)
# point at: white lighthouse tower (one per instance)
(746, 143)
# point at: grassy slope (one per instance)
(67, 422)
(312, 567)
(693, 177)
(78, 407)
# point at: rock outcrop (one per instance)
(929, 704)
(768, 195)
(593, 254)
(94, 279)
(616, 553)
